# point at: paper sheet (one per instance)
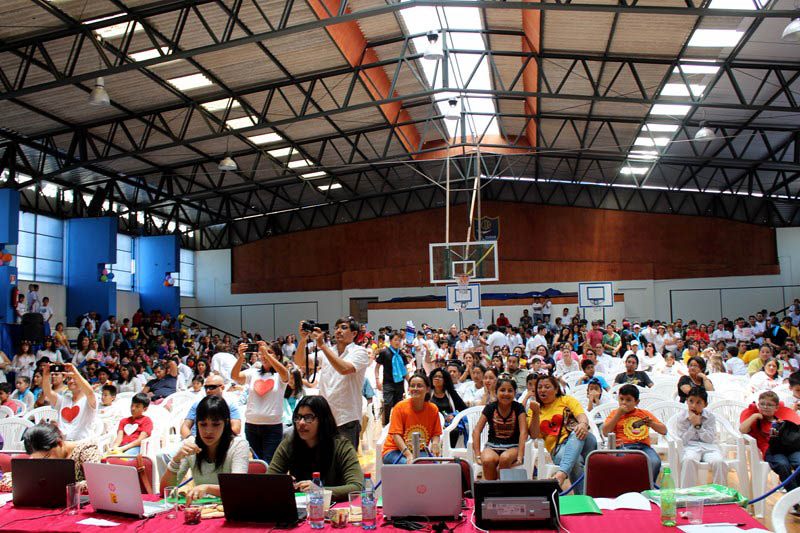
(629, 500)
(97, 522)
(5, 497)
(721, 527)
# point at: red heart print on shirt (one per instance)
(550, 427)
(70, 413)
(263, 386)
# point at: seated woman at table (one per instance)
(215, 450)
(45, 441)
(415, 414)
(446, 399)
(508, 431)
(561, 421)
(316, 445)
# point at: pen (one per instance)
(722, 524)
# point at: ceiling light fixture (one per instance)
(792, 31)
(433, 51)
(99, 95)
(704, 134)
(453, 112)
(228, 164)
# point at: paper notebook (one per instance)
(577, 504)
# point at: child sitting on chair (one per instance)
(698, 432)
(134, 429)
(508, 431)
(632, 425)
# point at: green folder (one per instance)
(577, 504)
(201, 501)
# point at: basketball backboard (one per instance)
(595, 294)
(464, 298)
(478, 260)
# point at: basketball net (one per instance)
(463, 280)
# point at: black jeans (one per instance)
(264, 439)
(392, 394)
(352, 431)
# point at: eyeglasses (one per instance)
(211, 387)
(305, 418)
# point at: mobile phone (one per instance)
(56, 367)
(252, 347)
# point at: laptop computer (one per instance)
(41, 482)
(430, 491)
(263, 498)
(115, 489)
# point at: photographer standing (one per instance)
(341, 372)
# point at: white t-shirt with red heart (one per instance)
(264, 397)
(75, 419)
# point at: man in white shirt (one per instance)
(759, 326)
(742, 333)
(794, 312)
(340, 373)
(536, 341)
(514, 339)
(463, 345)
(547, 308)
(222, 362)
(33, 298)
(496, 339)
(722, 334)
(45, 310)
(649, 332)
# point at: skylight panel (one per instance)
(737, 4)
(634, 171)
(242, 122)
(681, 89)
(643, 155)
(652, 141)
(715, 38)
(655, 127)
(280, 152)
(265, 138)
(221, 105)
(670, 110)
(696, 69)
(152, 53)
(422, 19)
(312, 175)
(113, 30)
(299, 163)
(192, 81)
(331, 187)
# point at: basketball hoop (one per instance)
(463, 280)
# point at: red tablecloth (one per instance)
(610, 521)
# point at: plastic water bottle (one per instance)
(316, 503)
(368, 504)
(668, 511)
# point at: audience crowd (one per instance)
(299, 402)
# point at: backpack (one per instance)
(786, 439)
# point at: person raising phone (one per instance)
(76, 411)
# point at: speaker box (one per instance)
(33, 327)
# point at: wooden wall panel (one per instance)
(538, 244)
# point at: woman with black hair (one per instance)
(264, 414)
(696, 367)
(215, 450)
(127, 381)
(316, 445)
(445, 397)
(45, 441)
(416, 414)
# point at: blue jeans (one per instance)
(652, 457)
(136, 450)
(263, 439)
(784, 465)
(571, 456)
(394, 457)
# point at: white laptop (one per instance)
(421, 490)
(115, 488)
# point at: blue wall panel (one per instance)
(9, 234)
(90, 244)
(155, 258)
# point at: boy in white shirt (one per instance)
(45, 310)
(33, 298)
(698, 432)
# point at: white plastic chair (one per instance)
(379, 457)
(5, 412)
(782, 508)
(728, 410)
(729, 440)
(12, 429)
(571, 378)
(46, 413)
(597, 416)
(177, 399)
(665, 390)
(125, 396)
(759, 474)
